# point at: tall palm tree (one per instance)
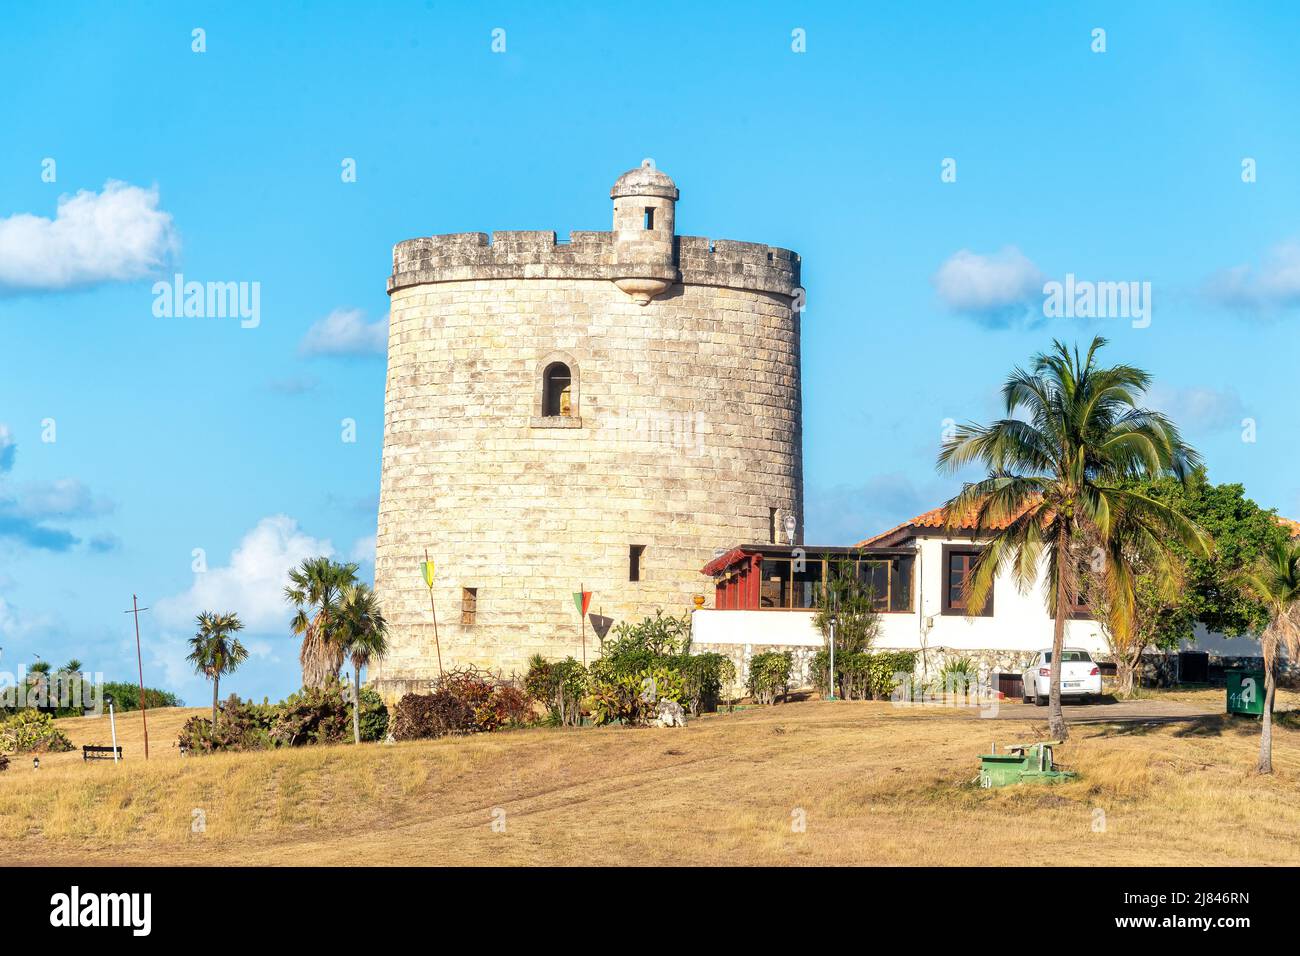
(38, 681)
(362, 633)
(214, 649)
(1073, 432)
(71, 691)
(1275, 580)
(315, 589)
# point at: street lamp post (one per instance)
(831, 682)
(112, 723)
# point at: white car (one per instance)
(1080, 677)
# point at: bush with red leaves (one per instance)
(464, 701)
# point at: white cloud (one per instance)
(1274, 285)
(252, 584)
(346, 332)
(63, 498)
(1199, 407)
(988, 285)
(117, 234)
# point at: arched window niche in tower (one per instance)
(558, 389)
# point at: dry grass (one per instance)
(878, 785)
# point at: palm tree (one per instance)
(1073, 432)
(315, 589)
(214, 650)
(72, 681)
(362, 633)
(1275, 580)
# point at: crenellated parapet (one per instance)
(696, 260)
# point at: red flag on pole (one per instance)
(582, 601)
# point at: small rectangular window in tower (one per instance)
(468, 605)
(771, 526)
(649, 217)
(634, 561)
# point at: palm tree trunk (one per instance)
(216, 682)
(356, 704)
(1055, 719)
(1266, 734)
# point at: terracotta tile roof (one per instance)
(934, 520)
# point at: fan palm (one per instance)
(1073, 432)
(362, 633)
(214, 650)
(315, 588)
(1275, 580)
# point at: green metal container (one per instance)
(1025, 763)
(1246, 692)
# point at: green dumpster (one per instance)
(1245, 692)
(1022, 763)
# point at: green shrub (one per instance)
(633, 699)
(374, 715)
(862, 675)
(314, 715)
(311, 716)
(634, 646)
(30, 731)
(769, 676)
(241, 725)
(127, 696)
(559, 686)
(703, 678)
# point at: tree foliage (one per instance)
(1073, 435)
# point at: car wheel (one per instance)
(1025, 698)
(1040, 701)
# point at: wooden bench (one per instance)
(91, 752)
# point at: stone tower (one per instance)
(602, 413)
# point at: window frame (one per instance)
(539, 418)
(959, 610)
(468, 606)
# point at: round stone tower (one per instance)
(600, 414)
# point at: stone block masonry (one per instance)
(679, 430)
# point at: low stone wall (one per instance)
(1155, 670)
(393, 689)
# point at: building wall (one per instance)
(1003, 643)
(687, 431)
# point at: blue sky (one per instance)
(176, 434)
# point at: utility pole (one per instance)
(136, 609)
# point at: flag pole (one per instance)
(436, 644)
(582, 623)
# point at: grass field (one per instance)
(875, 784)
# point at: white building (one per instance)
(765, 595)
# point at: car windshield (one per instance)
(1068, 657)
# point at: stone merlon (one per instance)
(642, 255)
(587, 255)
